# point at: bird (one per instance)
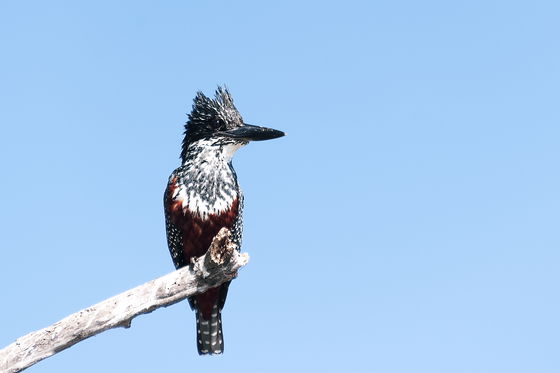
(203, 196)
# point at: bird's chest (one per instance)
(200, 207)
(204, 194)
(198, 232)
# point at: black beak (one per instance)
(249, 132)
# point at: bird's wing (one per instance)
(174, 233)
(237, 230)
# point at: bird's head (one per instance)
(216, 122)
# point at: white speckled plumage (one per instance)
(207, 183)
(203, 196)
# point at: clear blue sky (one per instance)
(409, 222)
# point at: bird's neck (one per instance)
(217, 149)
(209, 162)
(209, 180)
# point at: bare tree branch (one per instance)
(218, 265)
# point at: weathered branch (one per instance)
(217, 266)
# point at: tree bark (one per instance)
(218, 265)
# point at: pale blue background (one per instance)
(407, 223)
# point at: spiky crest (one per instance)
(209, 116)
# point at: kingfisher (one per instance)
(202, 196)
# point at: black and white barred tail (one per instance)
(210, 340)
